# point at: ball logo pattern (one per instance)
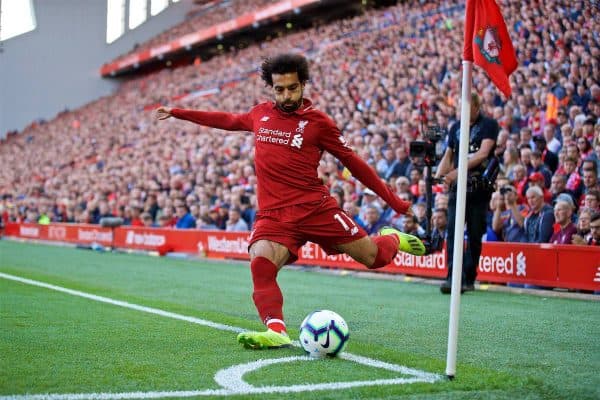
(324, 333)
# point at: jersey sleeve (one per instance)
(215, 119)
(333, 141)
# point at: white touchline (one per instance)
(230, 379)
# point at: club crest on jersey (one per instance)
(301, 125)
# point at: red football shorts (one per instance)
(322, 222)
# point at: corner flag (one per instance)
(488, 44)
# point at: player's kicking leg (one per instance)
(407, 243)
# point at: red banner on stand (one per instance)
(572, 267)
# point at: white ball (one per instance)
(324, 333)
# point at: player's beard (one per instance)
(290, 106)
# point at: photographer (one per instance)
(483, 132)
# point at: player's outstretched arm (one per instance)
(213, 119)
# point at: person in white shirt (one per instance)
(235, 223)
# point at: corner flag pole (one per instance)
(459, 226)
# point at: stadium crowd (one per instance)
(382, 76)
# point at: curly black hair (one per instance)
(283, 64)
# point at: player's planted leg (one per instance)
(264, 340)
(269, 303)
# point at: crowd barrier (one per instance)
(559, 266)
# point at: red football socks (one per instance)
(387, 247)
(267, 295)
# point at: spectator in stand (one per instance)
(103, 211)
(206, 223)
(558, 186)
(235, 223)
(585, 147)
(510, 160)
(539, 221)
(539, 167)
(573, 152)
(592, 200)
(439, 227)
(564, 228)
(583, 234)
(594, 239)
(420, 210)
(135, 216)
(385, 163)
(373, 222)
(552, 143)
(537, 179)
(525, 138)
(369, 199)
(574, 181)
(223, 212)
(508, 222)
(401, 165)
(589, 163)
(590, 181)
(525, 158)
(410, 225)
(147, 220)
(520, 182)
(549, 158)
(402, 185)
(185, 220)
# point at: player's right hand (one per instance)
(163, 113)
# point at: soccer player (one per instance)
(294, 204)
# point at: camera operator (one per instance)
(483, 132)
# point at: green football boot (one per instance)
(407, 243)
(264, 340)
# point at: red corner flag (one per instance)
(487, 42)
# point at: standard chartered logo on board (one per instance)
(510, 265)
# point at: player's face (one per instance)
(288, 91)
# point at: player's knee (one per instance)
(274, 252)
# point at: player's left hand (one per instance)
(163, 113)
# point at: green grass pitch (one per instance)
(510, 346)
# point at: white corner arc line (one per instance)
(124, 304)
(230, 379)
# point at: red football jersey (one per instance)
(288, 148)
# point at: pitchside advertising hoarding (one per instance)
(566, 266)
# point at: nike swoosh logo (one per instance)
(326, 344)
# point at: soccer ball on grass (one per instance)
(324, 333)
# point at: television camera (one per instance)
(427, 153)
